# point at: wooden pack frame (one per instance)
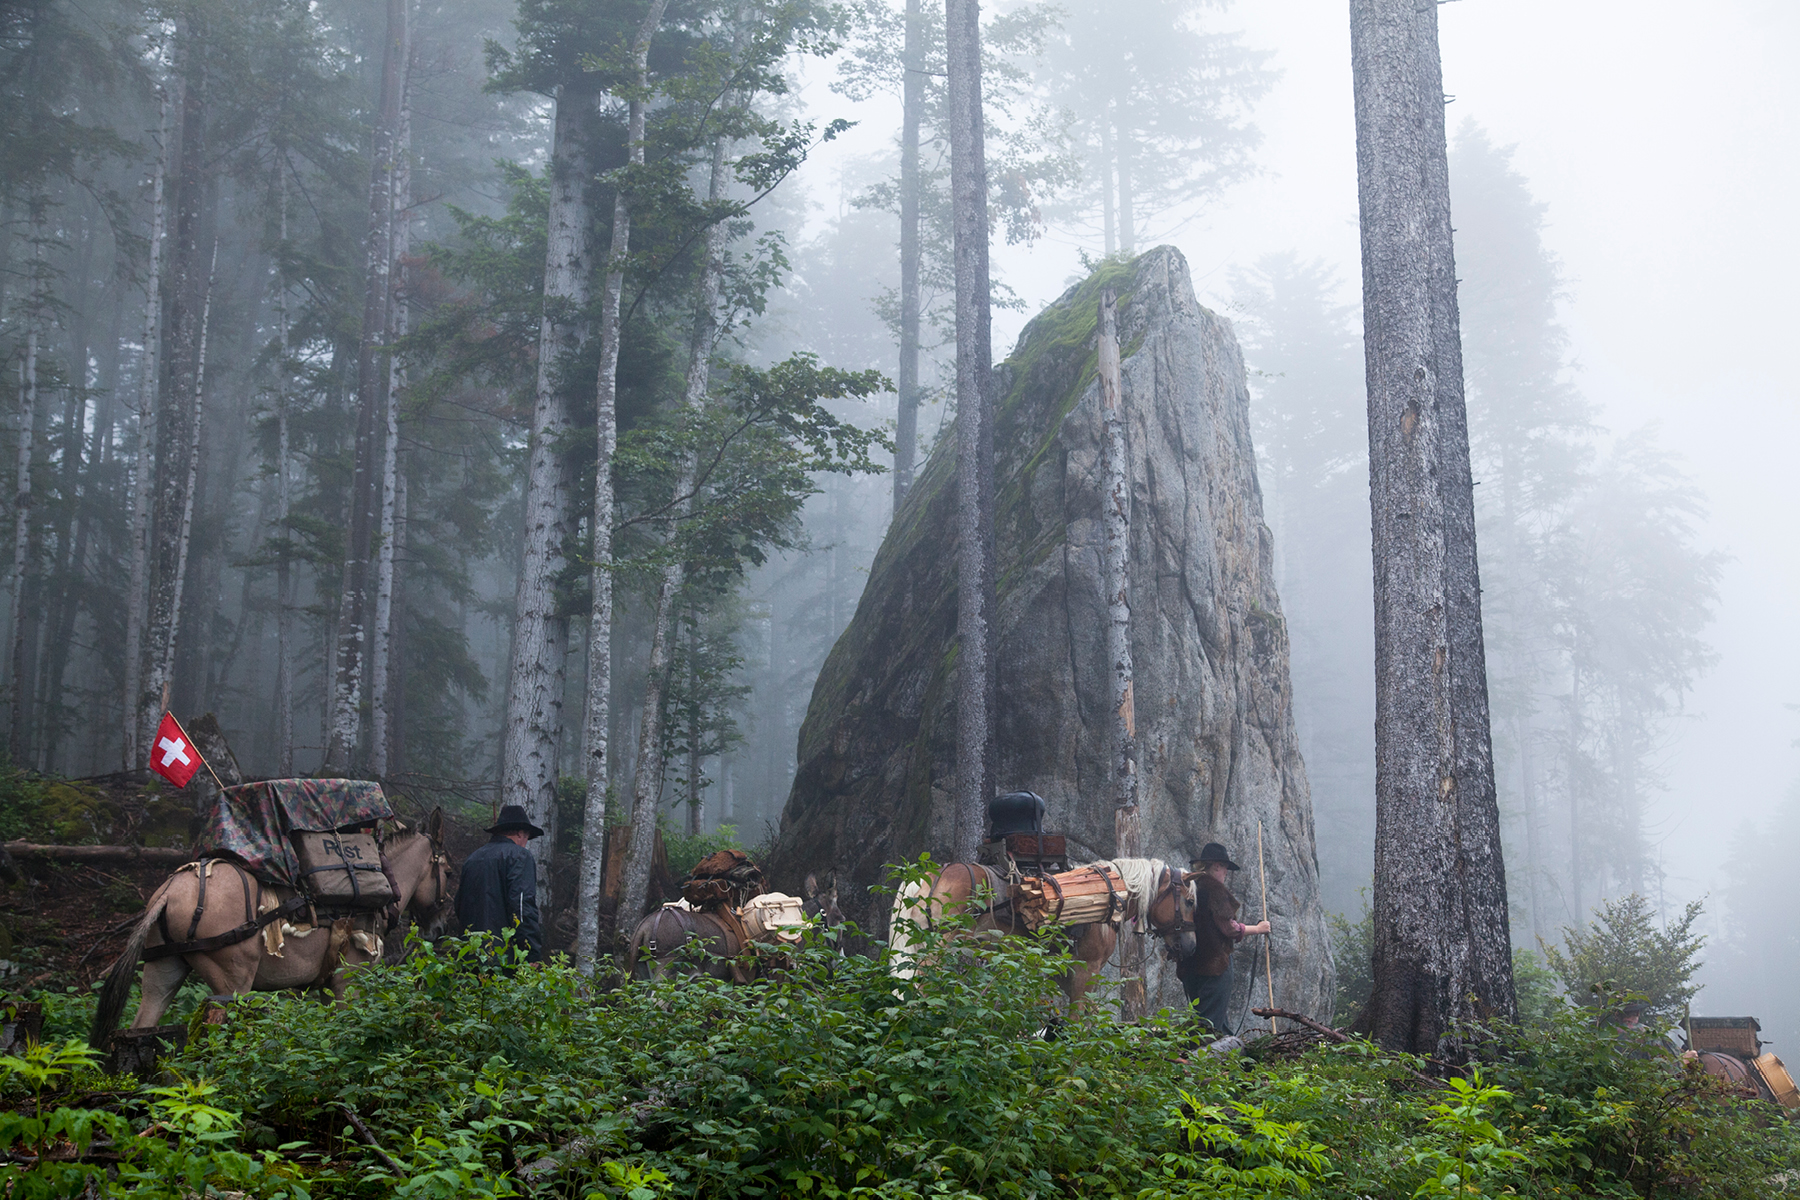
(1084, 896)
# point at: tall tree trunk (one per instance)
(177, 420)
(1127, 215)
(1115, 474)
(284, 502)
(400, 234)
(974, 432)
(397, 652)
(1108, 219)
(696, 813)
(1442, 946)
(647, 785)
(22, 662)
(175, 526)
(1576, 774)
(534, 692)
(597, 734)
(912, 116)
(343, 733)
(137, 588)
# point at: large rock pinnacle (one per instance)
(1217, 752)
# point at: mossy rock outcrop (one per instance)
(1217, 748)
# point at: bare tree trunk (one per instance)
(912, 116)
(647, 786)
(1108, 219)
(534, 692)
(1442, 947)
(974, 432)
(28, 388)
(174, 537)
(137, 588)
(284, 499)
(696, 812)
(1115, 476)
(597, 735)
(400, 233)
(177, 422)
(1127, 217)
(343, 732)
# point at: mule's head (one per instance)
(433, 897)
(1175, 910)
(822, 902)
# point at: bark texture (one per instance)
(1115, 482)
(534, 692)
(974, 430)
(343, 733)
(648, 783)
(137, 588)
(381, 656)
(1216, 744)
(1442, 944)
(597, 734)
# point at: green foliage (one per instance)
(46, 809)
(687, 849)
(834, 1078)
(1623, 951)
(1353, 956)
(1539, 992)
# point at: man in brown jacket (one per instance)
(1206, 975)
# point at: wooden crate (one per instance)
(1727, 1035)
(1079, 897)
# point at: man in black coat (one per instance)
(1206, 974)
(499, 884)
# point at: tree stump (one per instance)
(135, 1051)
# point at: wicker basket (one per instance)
(1079, 897)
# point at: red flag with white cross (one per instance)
(172, 753)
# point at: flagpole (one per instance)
(189, 738)
(1268, 954)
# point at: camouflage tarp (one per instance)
(252, 822)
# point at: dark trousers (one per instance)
(1210, 997)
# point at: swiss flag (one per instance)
(172, 755)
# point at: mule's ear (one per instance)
(1190, 876)
(434, 824)
(811, 886)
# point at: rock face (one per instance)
(1217, 748)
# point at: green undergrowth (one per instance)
(832, 1078)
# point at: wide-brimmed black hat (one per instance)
(1212, 852)
(513, 818)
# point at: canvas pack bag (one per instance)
(343, 870)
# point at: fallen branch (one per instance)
(1336, 1036)
(374, 1145)
(1311, 1024)
(135, 855)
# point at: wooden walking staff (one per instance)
(1268, 953)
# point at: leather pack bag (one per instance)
(343, 870)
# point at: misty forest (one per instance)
(805, 435)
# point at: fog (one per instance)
(1661, 147)
(1622, 176)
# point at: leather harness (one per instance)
(253, 921)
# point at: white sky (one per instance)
(1662, 136)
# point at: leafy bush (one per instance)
(452, 1075)
(1624, 950)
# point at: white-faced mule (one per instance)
(241, 934)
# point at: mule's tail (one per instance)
(118, 980)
